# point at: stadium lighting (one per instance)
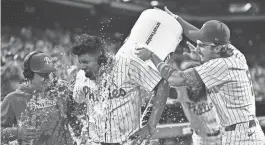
(237, 8)
(154, 3)
(247, 6)
(126, 0)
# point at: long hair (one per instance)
(226, 50)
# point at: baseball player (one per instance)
(225, 74)
(111, 91)
(29, 99)
(201, 114)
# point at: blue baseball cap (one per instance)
(213, 31)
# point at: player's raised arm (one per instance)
(187, 27)
(174, 77)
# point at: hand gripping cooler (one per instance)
(158, 30)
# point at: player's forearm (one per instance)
(167, 72)
(9, 134)
(159, 103)
(187, 27)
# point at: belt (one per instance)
(252, 123)
(211, 134)
(102, 143)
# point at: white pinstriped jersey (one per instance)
(114, 101)
(229, 86)
(202, 115)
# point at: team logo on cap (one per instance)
(47, 60)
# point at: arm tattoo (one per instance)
(196, 87)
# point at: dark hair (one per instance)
(226, 50)
(87, 44)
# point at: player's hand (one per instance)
(143, 52)
(194, 53)
(28, 133)
(170, 13)
(144, 133)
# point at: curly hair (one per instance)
(87, 44)
(226, 50)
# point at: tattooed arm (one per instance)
(175, 77)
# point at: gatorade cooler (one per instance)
(158, 30)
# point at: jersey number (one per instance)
(250, 82)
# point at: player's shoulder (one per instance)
(17, 95)
(122, 60)
(214, 64)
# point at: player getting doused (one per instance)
(110, 88)
(224, 73)
(199, 111)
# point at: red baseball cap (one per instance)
(41, 63)
(212, 31)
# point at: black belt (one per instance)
(102, 143)
(252, 123)
(211, 134)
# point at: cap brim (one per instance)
(196, 35)
(46, 70)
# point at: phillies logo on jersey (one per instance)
(114, 93)
(200, 107)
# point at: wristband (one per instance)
(159, 64)
(165, 71)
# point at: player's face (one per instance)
(40, 80)
(89, 62)
(206, 50)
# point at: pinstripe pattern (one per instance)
(243, 135)
(119, 117)
(230, 88)
(205, 122)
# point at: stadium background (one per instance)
(52, 25)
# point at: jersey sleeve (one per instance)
(8, 117)
(213, 72)
(143, 75)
